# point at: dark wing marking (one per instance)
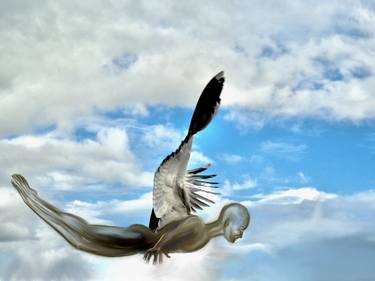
(154, 221)
(207, 104)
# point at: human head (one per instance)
(235, 218)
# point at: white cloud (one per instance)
(160, 137)
(161, 140)
(192, 266)
(294, 227)
(285, 150)
(231, 158)
(69, 164)
(30, 250)
(37, 262)
(117, 55)
(138, 110)
(247, 184)
(96, 212)
(66, 61)
(294, 196)
(230, 188)
(14, 218)
(245, 120)
(198, 159)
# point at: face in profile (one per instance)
(236, 220)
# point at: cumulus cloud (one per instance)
(161, 140)
(14, 219)
(192, 266)
(67, 63)
(37, 262)
(307, 234)
(160, 137)
(98, 211)
(119, 54)
(197, 159)
(29, 250)
(68, 163)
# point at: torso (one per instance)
(189, 234)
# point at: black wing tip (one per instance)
(207, 104)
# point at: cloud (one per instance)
(97, 212)
(68, 164)
(68, 63)
(294, 196)
(178, 267)
(197, 158)
(230, 188)
(231, 158)
(44, 263)
(113, 56)
(307, 234)
(285, 150)
(30, 250)
(245, 119)
(160, 137)
(161, 140)
(14, 219)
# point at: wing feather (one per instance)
(175, 188)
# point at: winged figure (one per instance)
(176, 190)
(177, 194)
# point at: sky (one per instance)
(94, 94)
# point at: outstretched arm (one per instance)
(101, 240)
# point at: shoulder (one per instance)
(193, 220)
(190, 222)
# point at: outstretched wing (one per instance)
(111, 241)
(175, 189)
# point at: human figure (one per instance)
(186, 235)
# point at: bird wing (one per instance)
(176, 189)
